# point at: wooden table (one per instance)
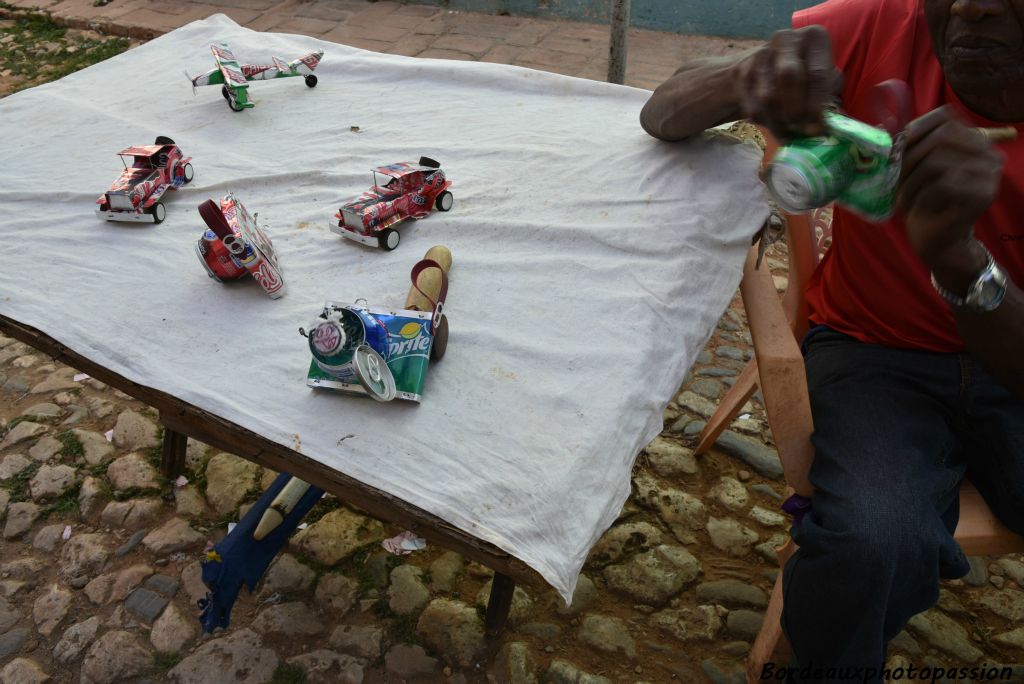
(182, 420)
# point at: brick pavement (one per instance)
(558, 45)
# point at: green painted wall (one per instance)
(736, 18)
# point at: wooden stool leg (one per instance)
(172, 461)
(767, 640)
(499, 604)
(729, 407)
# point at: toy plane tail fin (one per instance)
(307, 63)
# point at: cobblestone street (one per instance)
(100, 554)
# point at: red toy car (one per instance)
(400, 191)
(154, 169)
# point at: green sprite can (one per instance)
(856, 165)
(401, 341)
(351, 346)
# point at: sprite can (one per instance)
(856, 165)
(383, 353)
(351, 346)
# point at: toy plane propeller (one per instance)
(234, 77)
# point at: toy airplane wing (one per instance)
(281, 65)
(228, 65)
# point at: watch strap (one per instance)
(972, 300)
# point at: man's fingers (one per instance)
(939, 131)
(816, 51)
(924, 146)
(923, 125)
(947, 178)
(791, 79)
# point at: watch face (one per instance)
(988, 291)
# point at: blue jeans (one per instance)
(895, 431)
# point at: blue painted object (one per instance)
(239, 558)
(733, 18)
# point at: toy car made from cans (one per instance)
(400, 191)
(234, 244)
(149, 172)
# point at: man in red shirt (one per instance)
(915, 361)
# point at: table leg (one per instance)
(172, 461)
(499, 604)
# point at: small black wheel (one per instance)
(440, 344)
(427, 161)
(158, 212)
(311, 80)
(187, 173)
(388, 239)
(235, 107)
(163, 140)
(224, 92)
(444, 201)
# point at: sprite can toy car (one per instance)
(856, 165)
(377, 352)
(380, 352)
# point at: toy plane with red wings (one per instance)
(234, 77)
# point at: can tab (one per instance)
(438, 305)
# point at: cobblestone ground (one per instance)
(99, 556)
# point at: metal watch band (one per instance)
(973, 299)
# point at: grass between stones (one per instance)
(36, 50)
(401, 629)
(165, 661)
(73, 447)
(20, 419)
(17, 485)
(288, 674)
(65, 504)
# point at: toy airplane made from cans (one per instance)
(234, 77)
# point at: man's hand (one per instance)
(950, 176)
(788, 83)
(784, 85)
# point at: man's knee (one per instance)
(872, 539)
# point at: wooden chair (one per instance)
(776, 323)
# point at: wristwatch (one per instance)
(984, 294)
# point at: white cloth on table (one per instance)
(591, 263)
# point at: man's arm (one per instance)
(784, 85)
(700, 95)
(950, 176)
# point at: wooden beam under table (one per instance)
(172, 459)
(181, 418)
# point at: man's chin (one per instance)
(982, 78)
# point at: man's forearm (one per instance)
(700, 95)
(996, 339)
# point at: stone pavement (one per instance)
(566, 47)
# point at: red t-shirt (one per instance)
(871, 284)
